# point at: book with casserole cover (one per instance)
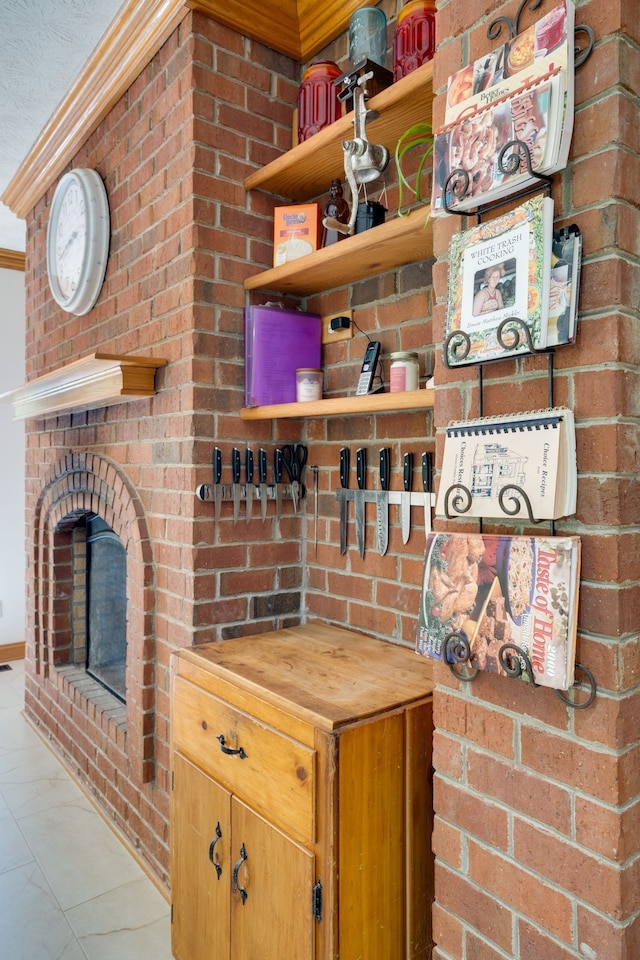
(495, 592)
(491, 464)
(478, 121)
(498, 270)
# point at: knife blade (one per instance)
(427, 472)
(248, 467)
(345, 466)
(278, 464)
(262, 476)
(216, 463)
(405, 503)
(235, 470)
(382, 500)
(361, 474)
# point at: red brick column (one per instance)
(537, 806)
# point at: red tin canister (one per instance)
(414, 40)
(318, 103)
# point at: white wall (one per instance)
(12, 455)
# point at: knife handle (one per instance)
(385, 467)
(361, 467)
(408, 471)
(262, 465)
(345, 466)
(427, 470)
(248, 464)
(278, 463)
(217, 464)
(235, 465)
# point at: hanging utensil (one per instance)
(345, 466)
(361, 475)
(405, 503)
(382, 500)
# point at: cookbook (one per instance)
(495, 592)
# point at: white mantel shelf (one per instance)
(98, 380)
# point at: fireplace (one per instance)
(94, 605)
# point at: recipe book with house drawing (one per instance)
(485, 459)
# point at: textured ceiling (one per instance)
(43, 46)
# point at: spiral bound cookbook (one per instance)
(521, 466)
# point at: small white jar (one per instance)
(405, 371)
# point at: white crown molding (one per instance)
(133, 38)
(296, 28)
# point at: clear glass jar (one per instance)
(368, 35)
(405, 371)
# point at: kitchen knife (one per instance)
(262, 476)
(345, 466)
(427, 470)
(278, 463)
(382, 500)
(235, 470)
(361, 474)
(405, 503)
(216, 463)
(248, 467)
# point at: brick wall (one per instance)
(537, 807)
(174, 152)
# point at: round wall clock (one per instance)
(78, 240)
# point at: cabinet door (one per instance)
(200, 864)
(272, 886)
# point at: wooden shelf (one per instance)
(393, 244)
(335, 406)
(98, 380)
(307, 169)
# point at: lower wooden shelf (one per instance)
(335, 406)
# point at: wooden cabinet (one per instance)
(301, 806)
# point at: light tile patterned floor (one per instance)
(69, 890)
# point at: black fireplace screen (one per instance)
(106, 607)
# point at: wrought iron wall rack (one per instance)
(515, 663)
(512, 333)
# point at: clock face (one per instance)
(78, 240)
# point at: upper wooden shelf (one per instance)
(393, 244)
(335, 406)
(97, 380)
(307, 169)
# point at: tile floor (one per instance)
(69, 889)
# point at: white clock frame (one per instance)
(83, 226)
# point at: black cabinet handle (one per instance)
(231, 753)
(241, 890)
(211, 846)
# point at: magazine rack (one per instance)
(515, 663)
(511, 334)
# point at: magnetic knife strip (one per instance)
(204, 491)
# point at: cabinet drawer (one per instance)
(269, 770)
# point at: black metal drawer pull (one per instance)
(241, 890)
(231, 753)
(211, 846)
